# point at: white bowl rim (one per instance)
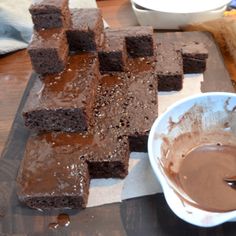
(183, 6)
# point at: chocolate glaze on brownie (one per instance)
(51, 174)
(129, 102)
(50, 14)
(64, 102)
(169, 67)
(48, 51)
(138, 39)
(112, 55)
(84, 34)
(58, 177)
(194, 57)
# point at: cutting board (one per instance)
(147, 215)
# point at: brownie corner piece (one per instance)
(50, 14)
(140, 41)
(47, 180)
(64, 102)
(86, 30)
(195, 56)
(112, 55)
(169, 68)
(48, 51)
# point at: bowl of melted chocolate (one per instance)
(192, 150)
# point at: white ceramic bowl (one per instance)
(217, 108)
(159, 19)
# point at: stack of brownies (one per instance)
(93, 101)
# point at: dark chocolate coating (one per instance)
(48, 51)
(64, 102)
(51, 176)
(112, 55)
(169, 67)
(138, 39)
(50, 14)
(84, 34)
(194, 57)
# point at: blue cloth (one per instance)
(233, 4)
(16, 26)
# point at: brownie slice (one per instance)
(138, 39)
(48, 51)
(169, 67)
(58, 176)
(129, 102)
(194, 57)
(51, 176)
(112, 55)
(64, 102)
(141, 102)
(85, 33)
(50, 14)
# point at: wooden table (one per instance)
(141, 216)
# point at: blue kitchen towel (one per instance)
(16, 25)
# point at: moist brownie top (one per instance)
(68, 89)
(131, 31)
(113, 42)
(169, 59)
(80, 18)
(51, 169)
(50, 38)
(48, 6)
(194, 50)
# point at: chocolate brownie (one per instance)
(51, 175)
(169, 67)
(50, 14)
(142, 105)
(64, 102)
(48, 51)
(112, 55)
(86, 31)
(194, 57)
(58, 177)
(138, 39)
(129, 102)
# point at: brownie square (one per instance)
(169, 67)
(194, 57)
(141, 102)
(112, 55)
(48, 51)
(59, 176)
(50, 14)
(52, 177)
(64, 102)
(138, 39)
(128, 102)
(85, 33)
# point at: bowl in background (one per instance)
(158, 15)
(203, 115)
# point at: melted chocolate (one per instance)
(63, 220)
(201, 175)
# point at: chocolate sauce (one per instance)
(63, 220)
(201, 176)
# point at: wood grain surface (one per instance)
(148, 215)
